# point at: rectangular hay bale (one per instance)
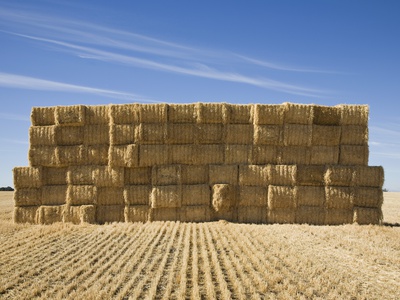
(69, 135)
(55, 176)
(152, 133)
(81, 195)
(366, 216)
(339, 175)
(71, 156)
(326, 135)
(338, 216)
(310, 175)
(164, 214)
(150, 155)
(43, 116)
(110, 196)
(354, 114)
(339, 198)
(290, 155)
(43, 156)
(354, 155)
(42, 135)
(182, 154)
(282, 174)
(324, 155)
(240, 113)
(124, 114)
(311, 215)
(282, 197)
(252, 214)
(27, 214)
(71, 214)
(268, 135)
(97, 114)
(326, 115)
(265, 154)
(109, 214)
(88, 214)
(270, 114)
(137, 194)
(182, 113)
(298, 113)
(239, 134)
(81, 175)
(50, 214)
(311, 196)
(105, 176)
(223, 198)
(297, 135)
(354, 135)
(208, 154)
(168, 196)
(369, 176)
(137, 213)
(73, 115)
(166, 175)
(27, 197)
(123, 156)
(196, 194)
(181, 133)
(54, 194)
(254, 196)
(137, 176)
(153, 113)
(281, 216)
(96, 154)
(238, 154)
(368, 197)
(192, 174)
(212, 113)
(96, 134)
(28, 177)
(253, 175)
(198, 213)
(210, 134)
(122, 134)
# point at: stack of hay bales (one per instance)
(287, 163)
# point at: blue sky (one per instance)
(56, 52)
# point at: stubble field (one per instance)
(219, 260)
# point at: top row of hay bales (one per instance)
(222, 113)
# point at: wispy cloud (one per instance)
(14, 117)
(11, 141)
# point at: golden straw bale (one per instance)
(252, 214)
(294, 155)
(124, 134)
(223, 174)
(182, 154)
(71, 156)
(28, 177)
(210, 133)
(43, 116)
(153, 113)
(239, 134)
(339, 197)
(55, 176)
(137, 213)
(310, 215)
(96, 154)
(368, 197)
(254, 196)
(268, 134)
(110, 196)
(137, 194)
(238, 154)
(166, 196)
(354, 135)
(69, 135)
(297, 135)
(181, 133)
(97, 114)
(124, 156)
(54, 194)
(369, 176)
(27, 197)
(150, 155)
(124, 114)
(27, 214)
(310, 175)
(164, 214)
(72, 214)
(282, 174)
(194, 174)
(311, 196)
(42, 156)
(339, 175)
(354, 155)
(223, 197)
(105, 176)
(324, 155)
(88, 214)
(81, 195)
(326, 115)
(265, 154)
(281, 216)
(166, 175)
(182, 113)
(225, 215)
(282, 197)
(253, 175)
(240, 114)
(271, 114)
(110, 214)
(96, 134)
(326, 135)
(338, 216)
(208, 154)
(42, 135)
(81, 175)
(137, 176)
(365, 216)
(73, 115)
(354, 114)
(298, 113)
(198, 213)
(152, 133)
(50, 214)
(212, 113)
(196, 194)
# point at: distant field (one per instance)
(200, 261)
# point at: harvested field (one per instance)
(221, 260)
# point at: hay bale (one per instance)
(265, 154)
(54, 176)
(297, 135)
(123, 156)
(268, 134)
(354, 114)
(73, 115)
(124, 134)
(298, 113)
(339, 175)
(153, 113)
(253, 175)
(326, 115)
(365, 216)
(137, 213)
(105, 176)
(311, 196)
(238, 154)
(252, 214)
(71, 214)
(124, 114)
(194, 174)
(282, 174)
(208, 154)
(27, 197)
(50, 214)
(43, 116)
(354, 155)
(81, 195)
(181, 133)
(69, 135)
(135, 176)
(164, 214)
(291, 155)
(196, 194)
(223, 197)
(150, 155)
(166, 175)
(110, 196)
(71, 156)
(212, 113)
(110, 214)
(96, 134)
(54, 194)
(42, 156)
(281, 216)
(310, 175)
(229, 215)
(97, 114)
(324, 155)
(239, 134)
(310, 215)
(354, 135)
(369, 176)
(182, 113)
(28, 177)
(326, 135)
(137, 194)
(271, 114)
(338, 216)
(254, 196)
(182, 154)
(96, 154)
(368, 197)
(27, 214)
(167, 196)
(152, 133)
(42, 135)
(339, 198)
(282, 197)
(81, 175)
(210, 133)
(88, 214)
(199, 213)
(240, 114)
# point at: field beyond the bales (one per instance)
(219, 260)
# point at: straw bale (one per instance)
(240, 114)
(97, 114)
(324, 155)
(194, 174)
(369, 176)
(339, 197)
(110, 213)
(310, 175)
(124, 156)
(166, 196)
(73, 115)
(137, 213)
(281, 216)
(28, 177)
(310, 215)
(196, 194)
(311, 196)
(271, 114)
(71, 155)
(42, 156)
(72, 214)
(226, 215)
(208, 154)
(182, 154)
(135, 176)
(298, 113)
(282, 174)
(326, 135)
(326, 115)
(164, 214)
(54, 194)
(54, 176)
(239, 134)
(150, 155)
(80, 175)
(124, 134)
(210, 133)
(268, 134)
(223, 197)
(105, 176)
(110, 196)
(182, 113)
(297, 135)
(354, 114)
(254, 196)
(212, 113)
(42, 135)
(27, 214)
(354, 135)
(152, 133)
(81, 195)
(96, 134)
(238, 154)
(223, 174)
(253, 175)
(365, 216)
(69, 135)
(124, 114)
(354, 155)
(43, 116)
(198, 213)
(339, 175)
(265, 154)
(338, 216)
(166, 175)
(50, 214)
(88, 214)
(295, 155)
(153, 113)
(181, 133)
(137, 194)
(282, 197)
(252, 214)
(27, 197)
(368, 197)
(96, 154)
